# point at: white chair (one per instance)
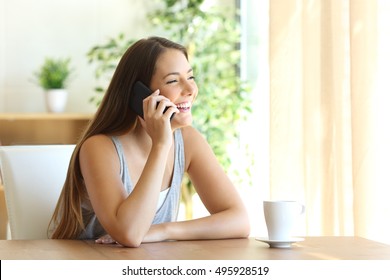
(33, 177)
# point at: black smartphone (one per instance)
(140, 92)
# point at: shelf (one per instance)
(42, 128)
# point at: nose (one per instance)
(189, 88)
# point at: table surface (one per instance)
(312, 248)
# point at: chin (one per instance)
(181, 121)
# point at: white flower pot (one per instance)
(56, 100)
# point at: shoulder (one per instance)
(193, 139)
(195, 144)
(98, 148)
(97, 141)
(191, 135)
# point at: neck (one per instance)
(141, 136)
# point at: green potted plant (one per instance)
(53, 76)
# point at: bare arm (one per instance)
(127, 218)
(228, 217)
(117, 212)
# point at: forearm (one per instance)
(232, 223)
(136, 213)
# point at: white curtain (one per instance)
(330, 113)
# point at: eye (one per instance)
(171, 81)
(192, 78)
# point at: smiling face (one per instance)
(174, 78)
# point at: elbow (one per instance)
(130, 240)
(244, 227)
(246, 230)
(130, 236)
(130, 243)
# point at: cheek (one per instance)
(195, 92)
(171, 95)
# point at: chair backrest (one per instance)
(33, 177)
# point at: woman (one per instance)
(124, 177)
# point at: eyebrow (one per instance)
(177, 73)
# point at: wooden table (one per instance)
(312, 248)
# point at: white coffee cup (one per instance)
(280, 217)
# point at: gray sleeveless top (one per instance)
(169, 208)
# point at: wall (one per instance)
(33, 30)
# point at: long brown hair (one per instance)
(113, 117)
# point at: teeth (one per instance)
(184, 105)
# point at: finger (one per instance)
(160, 98)
(156, 92)
(152, 95)
(164, 104)
(149, 103)
(171, 111)
(152, 103)
(105, 240)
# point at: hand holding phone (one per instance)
(139, 93)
